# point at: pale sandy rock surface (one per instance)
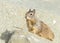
(12, 15)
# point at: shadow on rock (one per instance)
(6, 35)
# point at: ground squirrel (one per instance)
(37, 26)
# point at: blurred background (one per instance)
(12, 14)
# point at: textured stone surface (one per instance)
(12, 13)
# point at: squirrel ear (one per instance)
(29, 9)
(34, 10)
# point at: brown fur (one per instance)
(44, 30)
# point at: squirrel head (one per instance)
(30, 14)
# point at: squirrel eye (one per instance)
(30, 14)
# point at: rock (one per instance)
(19, 37)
